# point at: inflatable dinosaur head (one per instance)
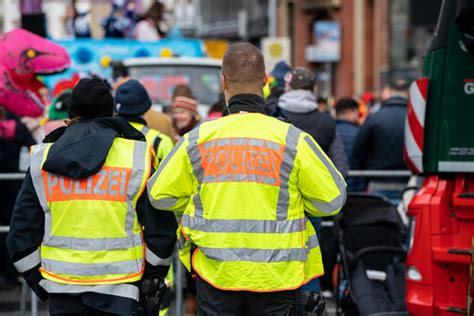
(23, 56)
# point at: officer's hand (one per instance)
(152, 294)
(41, 293)
(33, 278)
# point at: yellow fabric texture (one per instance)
(165, 146)
(85, 217)
(314, 187)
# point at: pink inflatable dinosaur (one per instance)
(23, 56)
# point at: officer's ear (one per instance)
(265, 80)
(223, 82)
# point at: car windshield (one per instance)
(160, 81)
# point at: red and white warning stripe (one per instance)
(415, 123)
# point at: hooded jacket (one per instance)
(78, 152)
(300, 108)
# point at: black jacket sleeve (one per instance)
(362, 144)
(159, 229)
(338, 155)
(26, 234)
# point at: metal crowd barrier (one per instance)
(12, 176)
(380, 173)
(352, 173)
(179, 272)
(25, 290)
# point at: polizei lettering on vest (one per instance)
(242, 160)
(107, 184)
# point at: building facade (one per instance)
(380, 39)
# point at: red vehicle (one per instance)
(440, 145)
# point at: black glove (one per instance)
(313, 303)
(151, 295)
(33, 278)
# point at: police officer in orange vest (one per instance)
(83, 233)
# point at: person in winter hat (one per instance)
(185, 114)
(132, 102)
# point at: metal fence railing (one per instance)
(380, 173)
(12, 176)
(179, 272)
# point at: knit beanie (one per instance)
(185, 103)
(131, 98)
(91, 98)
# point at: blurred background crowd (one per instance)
(337, 69)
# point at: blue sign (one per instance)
(93, 56)
(327, 37)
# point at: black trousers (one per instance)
(212, 301)
(71, 305)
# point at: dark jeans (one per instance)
(212, 301)
(70, 305)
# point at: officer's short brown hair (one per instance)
(243, 65)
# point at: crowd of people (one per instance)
(122, 22)
(357, 133)
(351, 140)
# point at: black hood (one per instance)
(80, 150)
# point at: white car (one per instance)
(161, 75)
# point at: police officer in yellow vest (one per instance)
(244, 184)
(83, 232)
(132, 102)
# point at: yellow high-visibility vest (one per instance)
(92, 234)
(244, 184)
(165, 146)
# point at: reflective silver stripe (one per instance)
(240, 141)
(195, 157)
(135, 182)
(154, 260)
(93, 244)
(237, 141)
(239, 178)
(28, 262)
(223, 142)
(337, 202)
(242, 225)
(181, 241)
(256, 255)
(35, 171)
(83, 269)
(155, 176)
(210, 179)
(145, 130)
(165, 203)
(287, 164)
(312, 242)
(273, 145)
(122, 290)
